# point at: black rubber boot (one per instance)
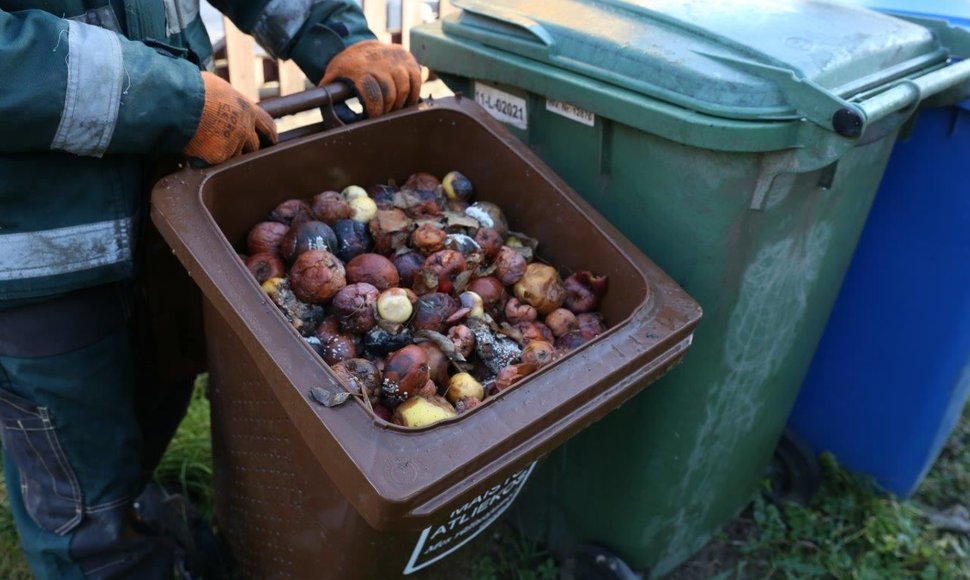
(200, 554)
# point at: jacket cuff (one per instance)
(327, 32)
(161, 102)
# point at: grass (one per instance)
(187, 464)
(949, 482)
(848, 531)
(12, 563)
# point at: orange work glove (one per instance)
(230, 125)
(385, 76)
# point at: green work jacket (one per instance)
(92, 92)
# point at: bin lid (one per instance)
(738, 59)
(955, 11)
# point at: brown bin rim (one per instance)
(614, 359)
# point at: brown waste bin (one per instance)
(304, 491)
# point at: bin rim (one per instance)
(662, 325)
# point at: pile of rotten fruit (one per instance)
(420, 298)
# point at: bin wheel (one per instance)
(591, 562)
(794, 472)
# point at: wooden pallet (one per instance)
(259, 77)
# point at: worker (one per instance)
(92, 94)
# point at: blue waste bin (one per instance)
(892, 372)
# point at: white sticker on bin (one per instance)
(505, 107)
(571, 112)
(466, 521)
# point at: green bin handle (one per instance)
(910, 92)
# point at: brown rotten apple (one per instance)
(538, 352)
(492, 292)
(560, 321)
(490, 242)
(317, 276)
(428, 239)
(437, 363)
(331, 207)
(584, 291)
(266, 237)
(512, 374)
(541, 287)
(307, 235)
(516, 312)
(354, 304)
(510, 266)
(463, 339)
(373, 269)
(291, 210)
(431, 311)
(408, 265)
(445, 265)
(405, 374)
(265, 265)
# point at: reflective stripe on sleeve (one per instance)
(179, 14)
(64, 250)
(103, 17)
(95, 77)
(279, 23)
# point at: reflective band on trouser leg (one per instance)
(95, 81)
(279, 23)
(179, 14)
(64, 250)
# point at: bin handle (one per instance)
(910, 92)
(325, 98)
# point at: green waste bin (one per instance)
(740, 144)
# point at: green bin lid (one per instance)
(735, 59)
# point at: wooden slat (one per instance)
(246, 72)
(410, 17)
(240, 54)
(292, 79)
(375, 11)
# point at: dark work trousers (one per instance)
(85, 421)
